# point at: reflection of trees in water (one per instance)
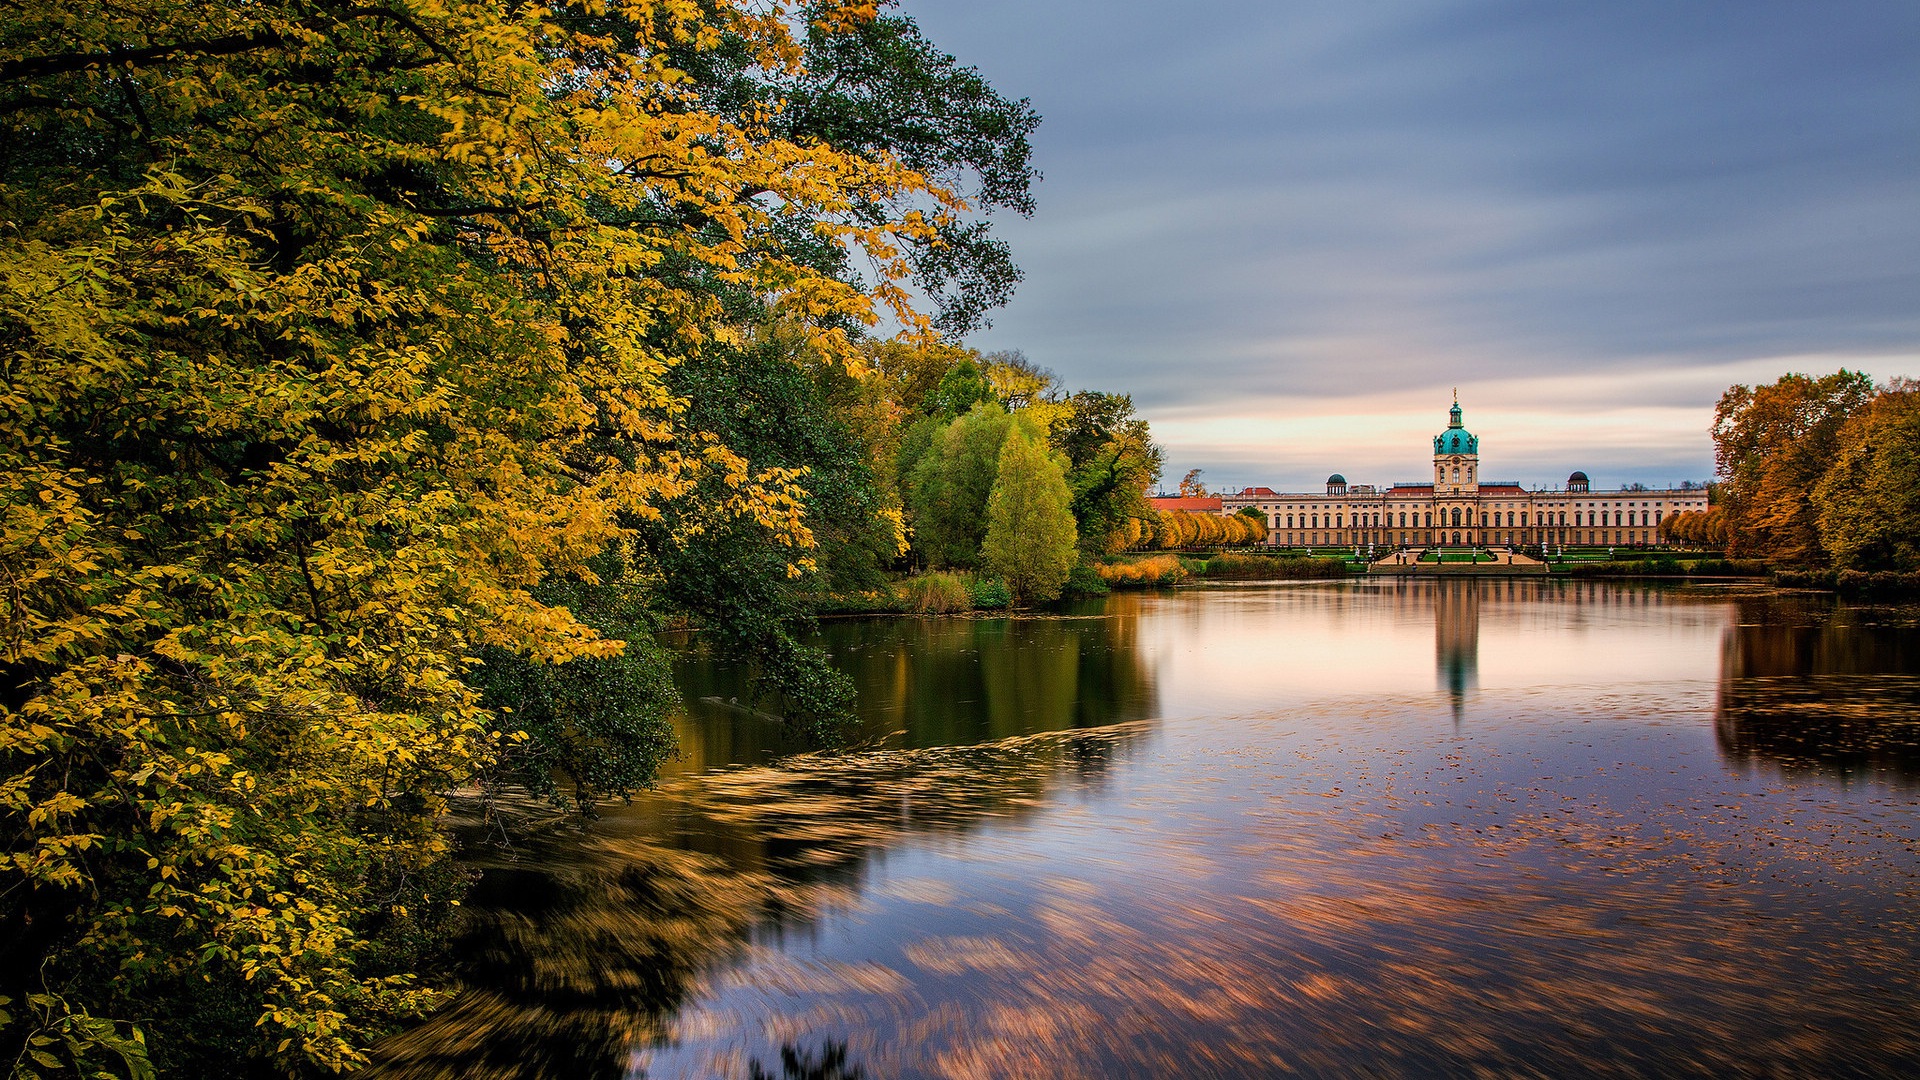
(1811, 686)
(949, 682)
(797, 1064)
(817, 819)
(581, 950)
(941, 681)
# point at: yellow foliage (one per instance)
(1152, 570)
(296, 416)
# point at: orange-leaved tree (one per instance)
(1772, 444)
(1869, 498)
(330, 331)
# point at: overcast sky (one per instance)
(1289, 229)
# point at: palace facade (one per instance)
(1459, 508)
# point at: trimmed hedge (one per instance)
(1232, 566)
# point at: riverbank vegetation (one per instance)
(378, 381)
(1667, 565)
(1235, 566)
(1143, 573)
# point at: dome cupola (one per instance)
(1456, 439)
(1336, 484)
(1577, 482)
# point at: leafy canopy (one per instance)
(334, 336)
(1031, 540)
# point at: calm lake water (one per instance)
(1401, 828)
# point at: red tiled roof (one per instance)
(1258, 493)
(1191, 504)
(1503, 489)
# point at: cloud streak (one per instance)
(1275, 211)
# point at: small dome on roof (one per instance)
(1456, 439)
(1336, 478)
(1577, 478)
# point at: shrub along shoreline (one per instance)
(960, 592)
(966, 592)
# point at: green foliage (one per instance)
(1085, 582)
(737, 584)
(1230, 566)
(1031, 538)
(64, 1041)
(1668, 566)
(948, 499)
(1112, 462)
(991, 594)
(598, 725)
(960, 389)
(769, 402)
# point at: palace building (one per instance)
(1458, 508)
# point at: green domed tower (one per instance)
(1456, 456)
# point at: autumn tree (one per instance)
(1868, 501)
(1772, 444)
(1030, 540)
(338, 344)
(1253, 525)
(875, 88)
(1112, 462)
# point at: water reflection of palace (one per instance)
(1456, 639)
